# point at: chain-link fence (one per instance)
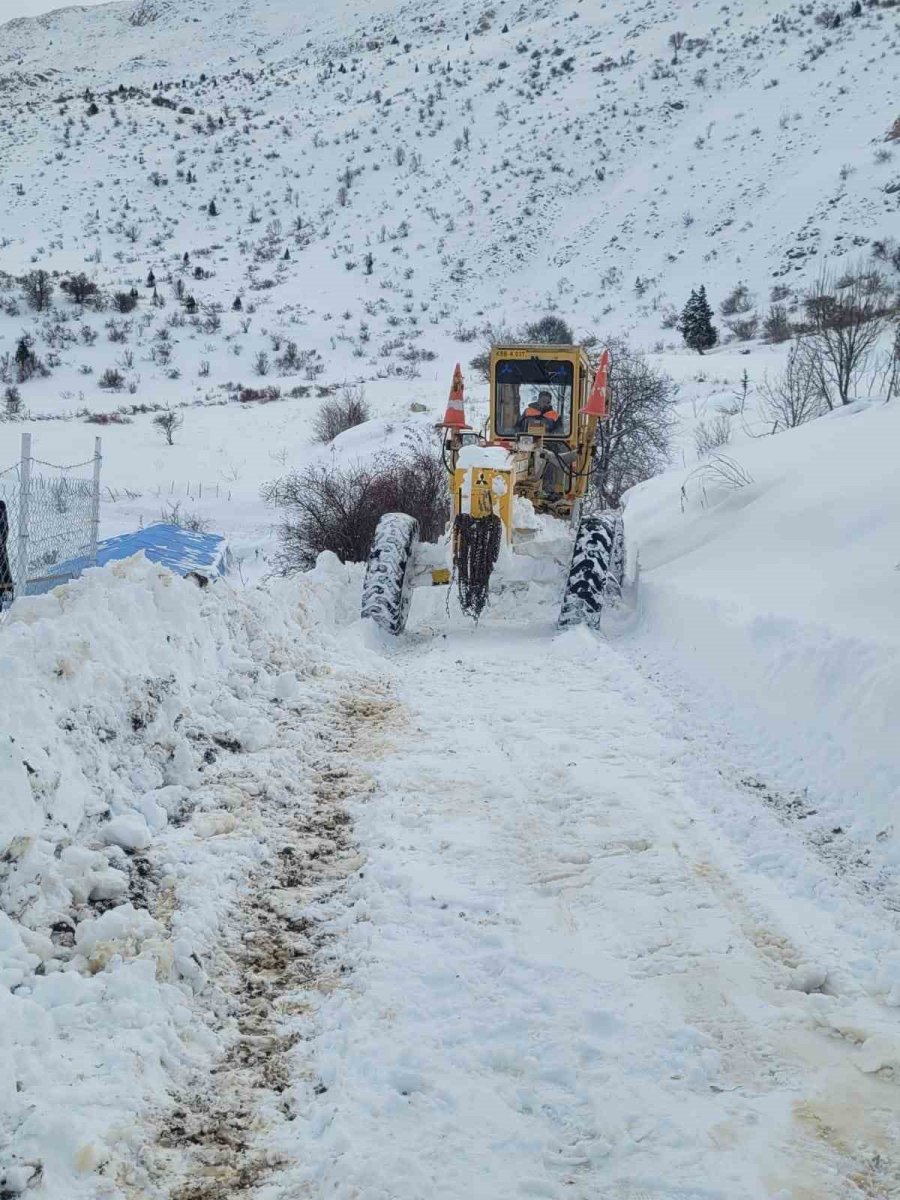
(48, 522)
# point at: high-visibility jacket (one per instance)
(535, 414)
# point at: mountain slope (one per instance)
(493, 161)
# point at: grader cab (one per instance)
(532, 460)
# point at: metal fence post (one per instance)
(95, 501)
(21, 586)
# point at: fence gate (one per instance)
(50, 521)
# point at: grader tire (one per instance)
(597, 570)
(387, 587)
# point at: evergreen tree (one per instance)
(696, 325)
(151, 278)
(237, 306)
(212, 210)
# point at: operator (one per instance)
(541, 410)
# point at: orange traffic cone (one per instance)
(596, 405)
(455, 416)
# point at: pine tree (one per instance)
(696, 325)
(212, 210)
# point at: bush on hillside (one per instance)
(341, 413)
(547, 330)
(796, 396)
(79, 288)
(337, 508)
(738, 300)
(777, 324)
(550, 330)
(744, 328)
(845, 318)
(38, 288)
(712, 434)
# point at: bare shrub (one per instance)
(777, 324)
(337, 508)
(888, 369)
(550, 330)
(172, 514)
(738, 300)
(796, 396)
(341, 413)
(711, 434)
(546, 330)
(887, 250)
(112, 380)
(266, 395)
(633, 442)
(106, 418)
(676, 41)
(143, 13)
(744, 328)
(38, 289)
(845, 318)
(828, 18)
(491, 334)
(168, 422)
(79, 288)
(720, 475)
(124, 302)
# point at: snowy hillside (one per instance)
(387, 180)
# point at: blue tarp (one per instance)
(178, 549)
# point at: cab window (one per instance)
(523, 388)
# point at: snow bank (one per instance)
(779, 599)
(119, 695)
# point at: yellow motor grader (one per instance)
(535, 456)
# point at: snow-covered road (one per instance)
(574, 971)
(478, 912)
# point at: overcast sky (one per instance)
(32, 8)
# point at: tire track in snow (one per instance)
(276, 956)
(570, 992)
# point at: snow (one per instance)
(20, 820)
(586, 938)
(115, 689)
(565, 980)
(779, 601)
(494, 457)
(300, 909)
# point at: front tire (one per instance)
(597, 569)
(387, 587)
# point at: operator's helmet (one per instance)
(544, 400)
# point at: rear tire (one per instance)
(387, 587)
(598, 566)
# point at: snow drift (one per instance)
(779, 599)
(119, 695)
